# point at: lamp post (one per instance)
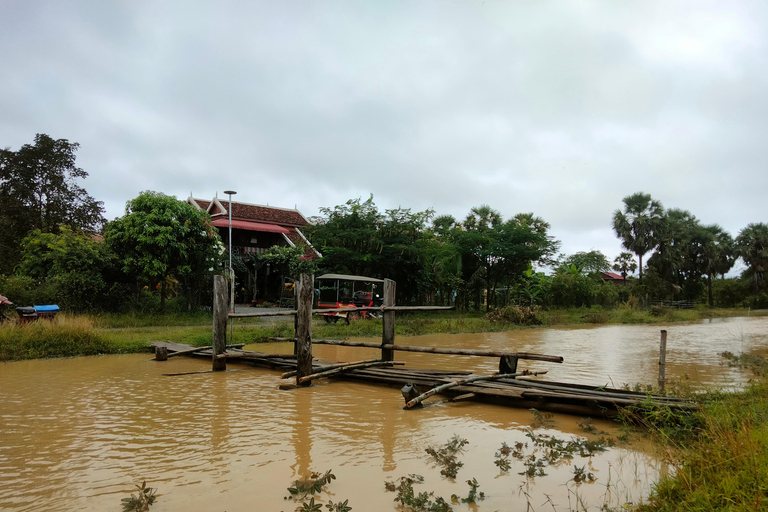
(230, 193)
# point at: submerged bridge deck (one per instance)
(516, 392)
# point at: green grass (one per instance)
(115, 334)
(724, 466)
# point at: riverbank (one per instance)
(720, 457)
(82, 335)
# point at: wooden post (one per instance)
(508, 364)
(388, 321)
(220, 309)
(303, 346)
(161, 353)
(662, 360)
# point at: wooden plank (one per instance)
(337, 371)
(333, 366)
(449, 351)
(467, 380)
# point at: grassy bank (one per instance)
(721, 461)
(115, 334)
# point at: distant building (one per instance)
(612, 277)
(256, 228)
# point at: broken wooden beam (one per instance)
(468, 380)
(336, 371)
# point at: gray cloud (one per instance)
(559, 108)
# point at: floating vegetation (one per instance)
(473, 496)
(756, 363)
(588, 427)
(421, 502)
(445, 456)
(140, 502)
(315, 484)
(542, 419)
(580, 475)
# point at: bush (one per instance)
(518, 315)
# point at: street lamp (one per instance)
(230, 193)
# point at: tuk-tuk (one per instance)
(3, 303)
(346, 291)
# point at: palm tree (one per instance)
(718, 254)
(638, 224)
(624, 264)
(752, 246)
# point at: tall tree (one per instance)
(718, 255)
(637, 225)
(624, 263)
(161, 237)
(356, 238)
(752, 246)
(592, 262)
(39, 191)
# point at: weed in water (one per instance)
(580, 475)
(542, 419)
(312, 485)
(445, 455)
(473, 496)
(422, 502)
(140, 502)
(502, 457)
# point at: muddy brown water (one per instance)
(77, 434)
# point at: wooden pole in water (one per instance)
(219, 323)
(662, 360)
(388, 322)
(304, 296)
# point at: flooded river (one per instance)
(78, 434)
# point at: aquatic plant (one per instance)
(542, 419)
(756, 363)
(473, 496)
(312, 485)
(421, 502)
(446, 455)
(141, 501)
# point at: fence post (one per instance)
(220, 308)
(388, 334)
(662, 360)
(303, 347)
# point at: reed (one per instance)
(725, 466)
(65, 336)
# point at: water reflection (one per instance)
(79, 433)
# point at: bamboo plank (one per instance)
(342, 369)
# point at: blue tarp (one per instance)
(47, 309)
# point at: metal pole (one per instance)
(230, 193)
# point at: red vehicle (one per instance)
(4, 302)
(345, 291)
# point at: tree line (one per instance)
(57, 247)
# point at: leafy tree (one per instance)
(496, 252)
(592, 262)
(624, 263)
(355, 238)
(161, 237)
(638, 224)
(70, 265)
(39, 191)
(752, 246)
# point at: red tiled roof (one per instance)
(223, 222)
(252, 212)
(611, 275)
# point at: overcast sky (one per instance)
(556, 108)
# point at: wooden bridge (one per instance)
(508, 387)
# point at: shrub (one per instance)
(518, 315)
